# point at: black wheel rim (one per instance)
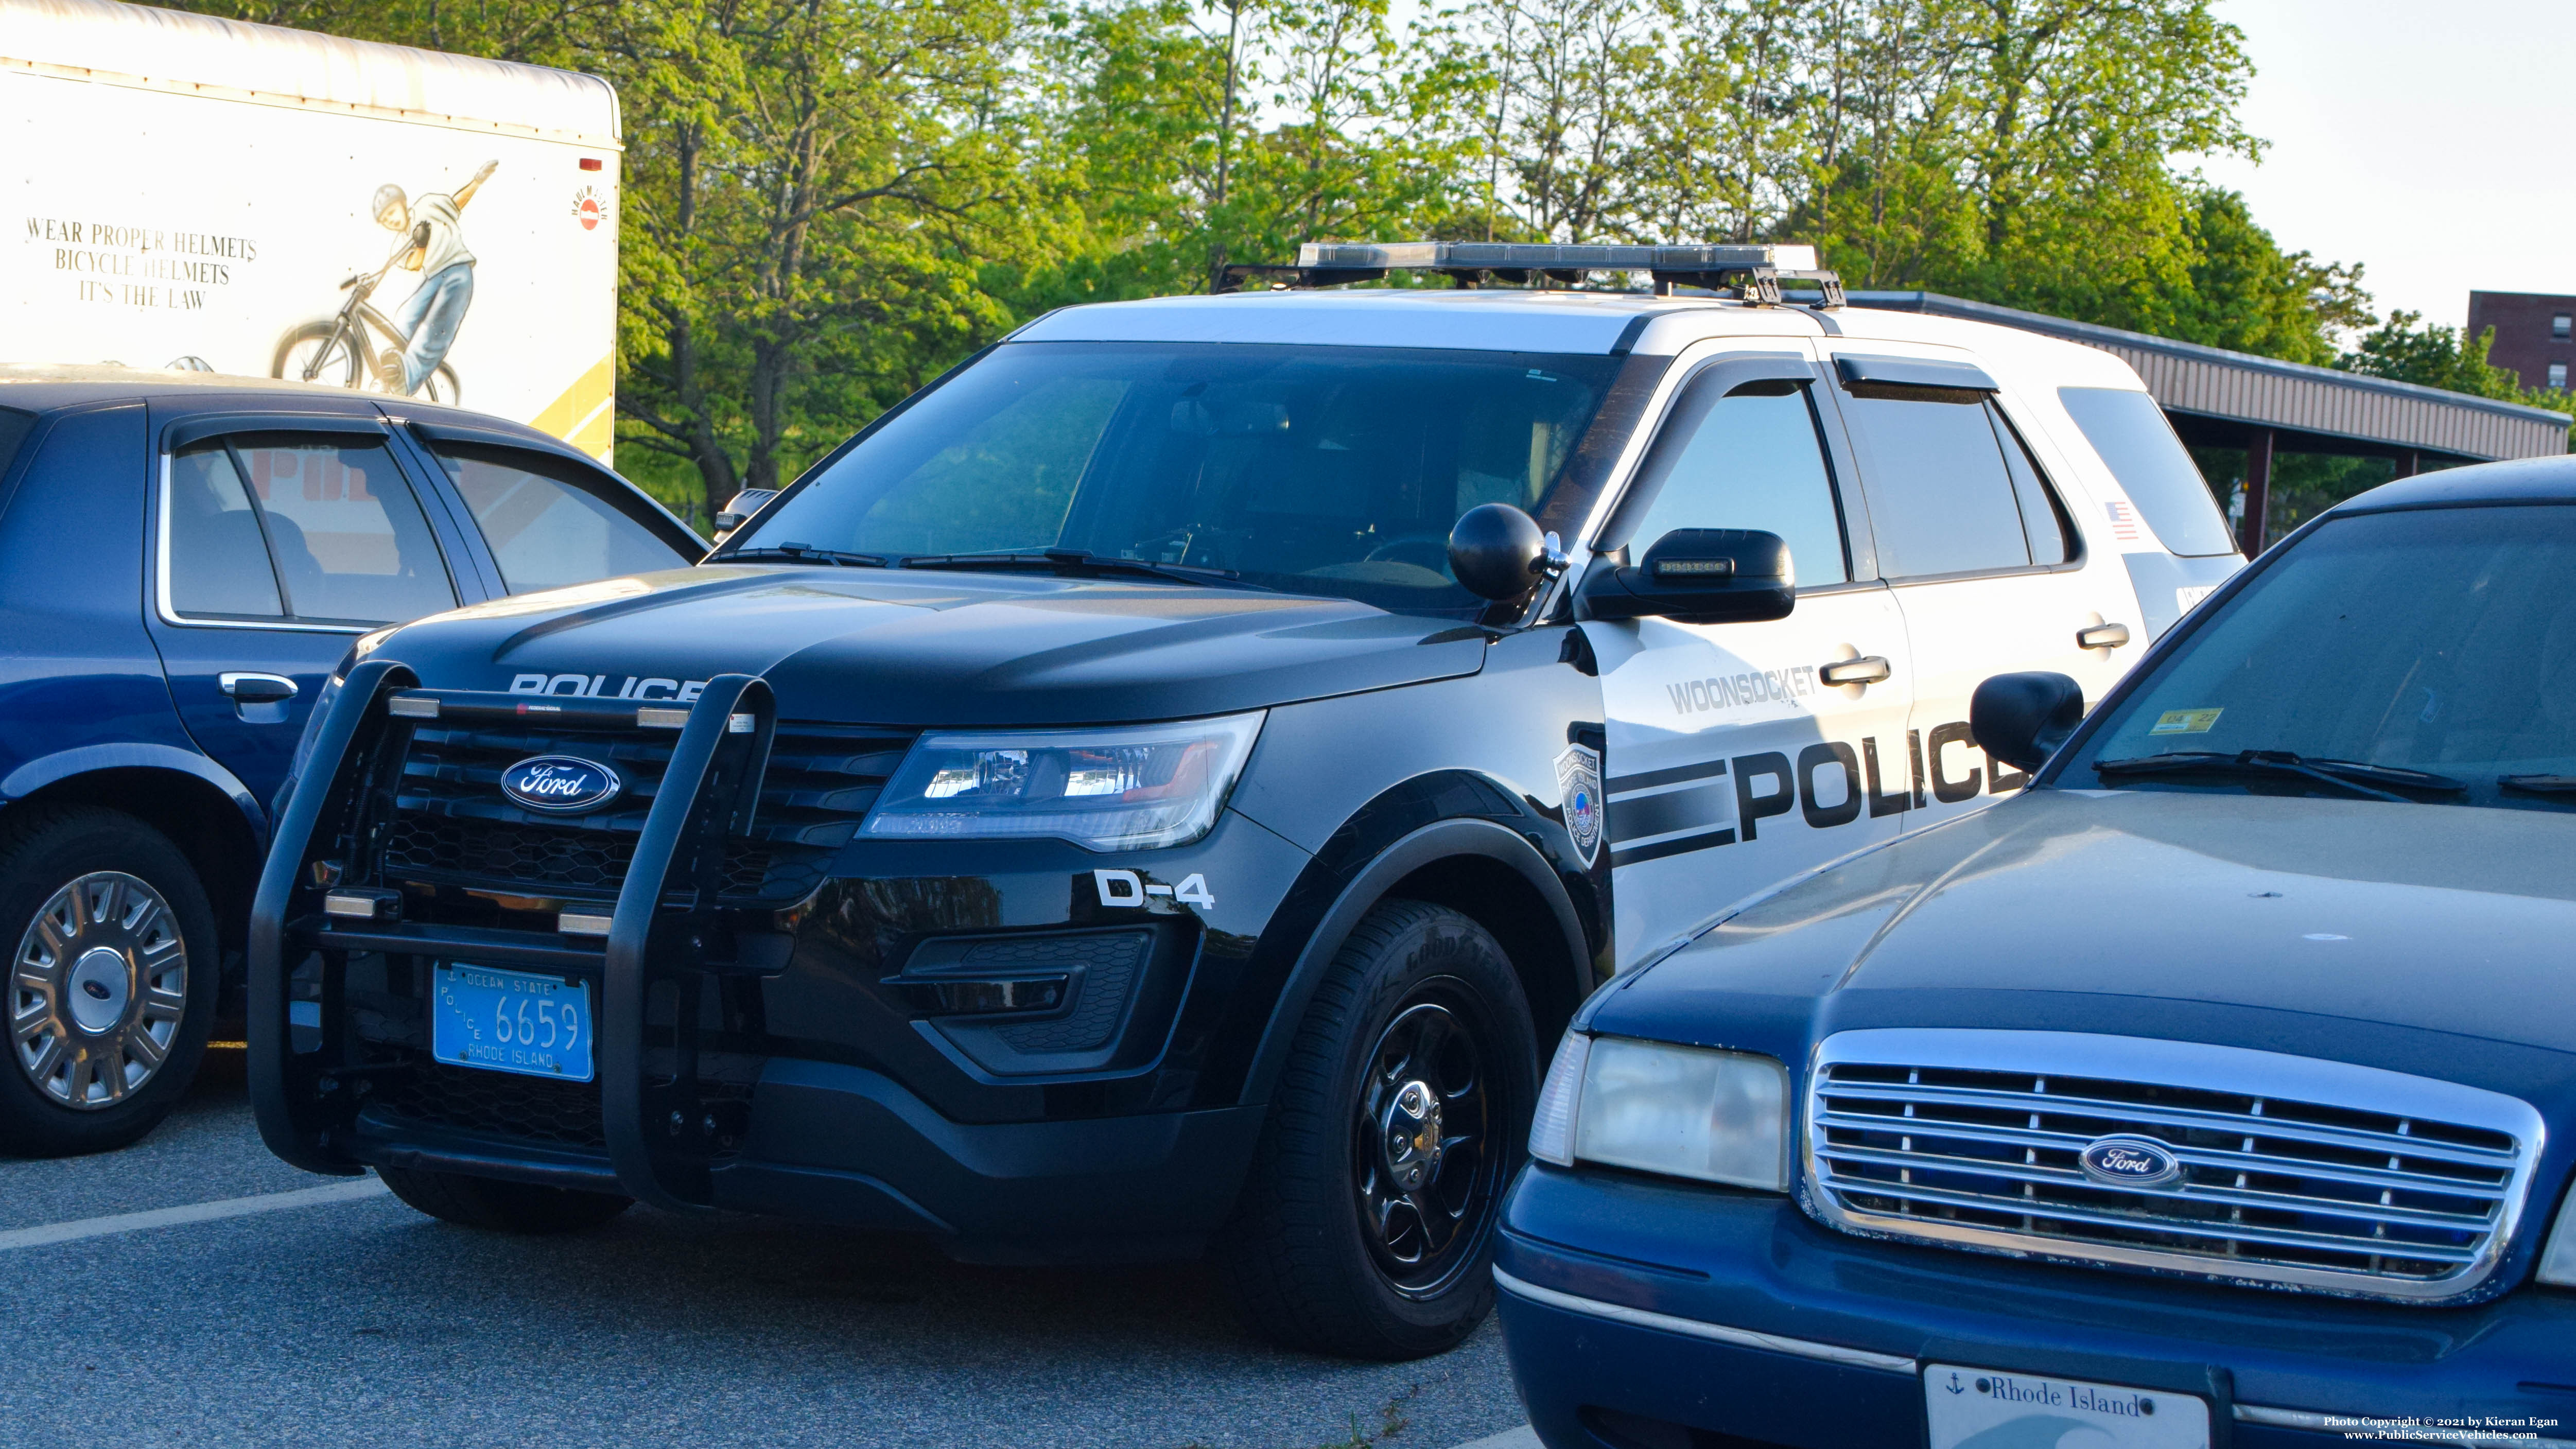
(1426, 1149)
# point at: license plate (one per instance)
(1975, 1408)
(511, 1021)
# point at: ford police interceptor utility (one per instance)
(1162, 786)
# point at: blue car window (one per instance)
(14, 428)
(546, 531)
(349, 539)
(219, 565)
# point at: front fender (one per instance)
(1474, 836)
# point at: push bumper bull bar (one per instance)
(658, 931)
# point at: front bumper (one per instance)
(1638, 1314)
(801, 1061)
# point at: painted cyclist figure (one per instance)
(428, 321)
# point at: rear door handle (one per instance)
(2102, 636)
(1867, 669)
(248, 688)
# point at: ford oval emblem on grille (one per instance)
(560, 784)
(2129, 1162)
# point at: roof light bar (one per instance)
(1753, 271)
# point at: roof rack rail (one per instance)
(1752, 272)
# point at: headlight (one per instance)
(2558, 1255)
(1134, 788)
(1680, 1111)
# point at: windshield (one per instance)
(2440, 640)
(1315, 470)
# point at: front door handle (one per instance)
(2102, 636)
(1867, 669)
(248, 688)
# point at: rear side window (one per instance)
(219, 564)
(547, 530)
(318, 527)
(14, 427)
(2131, 434)
(1951, 490)
(1748, 459)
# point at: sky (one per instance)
(2426, 141)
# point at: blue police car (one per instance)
(2218, 1089)
(183, 559)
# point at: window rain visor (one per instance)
(1134, 788)
(2440, 641)
(1312, 470)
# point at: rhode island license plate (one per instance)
(511, 1021)
(1975, 1408)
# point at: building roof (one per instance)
(2239, 389)
(110, 43)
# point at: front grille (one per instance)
(2293, 1171)
(506, 1104)
(452, 825)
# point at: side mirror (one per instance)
(1698, 576)
(2021, 719)
(744, 505)
(1496, 552)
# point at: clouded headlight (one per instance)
(1131, 788)
(1680, 1111)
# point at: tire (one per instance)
(1352, 1238)
(339, 362)
(111, 990)
(502, 1207)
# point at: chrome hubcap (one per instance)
(97, 990)
(1413, 1143)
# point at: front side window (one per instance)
(1951, 490)
(547, 531)
(1312, 470)
(1748, 457)
(2439, 641)
(305, 526)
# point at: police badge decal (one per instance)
(1578, 784)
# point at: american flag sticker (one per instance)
(2124, 522)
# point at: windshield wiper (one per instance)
(805, 553)
(2538, 784)
(1075, 561)
(2352, 775)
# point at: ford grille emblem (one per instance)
(2129, 1162)
(560, 784)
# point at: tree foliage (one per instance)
(828, 201)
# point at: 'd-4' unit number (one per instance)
(1127, 888)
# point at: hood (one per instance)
(2413, 937)
(923, 648)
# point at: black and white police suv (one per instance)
(1161, 786)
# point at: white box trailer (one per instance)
(182, 191)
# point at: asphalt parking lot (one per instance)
(353, 1319)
